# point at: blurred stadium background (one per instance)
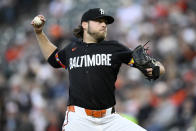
(33, 95)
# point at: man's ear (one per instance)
(84, 25)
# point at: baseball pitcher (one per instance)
(93, 64)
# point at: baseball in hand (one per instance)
(37, 21)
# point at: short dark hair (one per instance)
(78, 32)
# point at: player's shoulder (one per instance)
(112, 42)
(72, 43)
(115, 43)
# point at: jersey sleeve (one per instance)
(124, 54)
(58, 59)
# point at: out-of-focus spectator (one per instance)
(165, 110)
(58, 8)
(25, 124)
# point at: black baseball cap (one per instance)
(96, 13)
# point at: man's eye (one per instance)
(99, 20)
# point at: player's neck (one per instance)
(89, 39)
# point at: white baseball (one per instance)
(37, 21)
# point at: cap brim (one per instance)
(109, 19)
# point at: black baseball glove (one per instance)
(142, 61)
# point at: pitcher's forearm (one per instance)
(46, 46)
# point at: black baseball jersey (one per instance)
(93, 70)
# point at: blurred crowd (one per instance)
(33, 95)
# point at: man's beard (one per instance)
(97, 35)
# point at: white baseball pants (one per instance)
(80, 121)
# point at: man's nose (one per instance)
(103, 24)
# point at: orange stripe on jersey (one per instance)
(58, 60)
